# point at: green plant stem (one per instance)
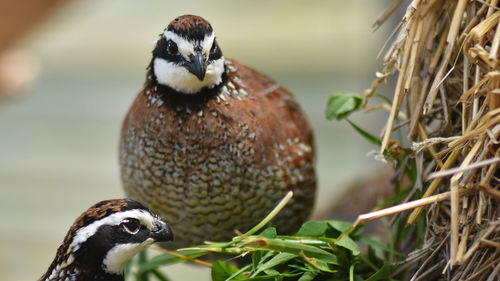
(351, 272)
(263, 222)
(142, 256)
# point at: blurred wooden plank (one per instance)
(17, 18)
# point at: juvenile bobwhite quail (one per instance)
(211, 145)
(103, 239)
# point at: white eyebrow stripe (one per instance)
(207, 43)
(114, 219)
(186, 47)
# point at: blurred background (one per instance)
(69, 70)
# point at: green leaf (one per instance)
(308, 276)
(292, 247)
(276, 260)
(256, 259)
(382, 274)
(388, 101)
(274, 277)
(240, 273)
(411, 170)
(272, 272)
(365, 134)
(142, 259)
(342, 104)
(395, 199)
(321, 265)
(379, 245)
(159, 275)
(340, 226)
(349, 244)
(312, 228)
(222, 271)
(269, 232)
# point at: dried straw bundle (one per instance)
(447, 95)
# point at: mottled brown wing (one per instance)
(282, 124)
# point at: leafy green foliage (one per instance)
(399, 235)
(222, 271)
(312, 228)
(371, 138)
(340, 105)
(320, 250)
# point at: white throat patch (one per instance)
(180, 79)
(117, 257)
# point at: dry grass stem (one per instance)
(197, 261)
(383, 17)
(476, 165)
(406, 206)
(447, 63)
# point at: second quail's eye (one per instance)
(172, 48)
(131, 226)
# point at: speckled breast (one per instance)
(218, 163)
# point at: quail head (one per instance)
(103, 239)
(211, 145)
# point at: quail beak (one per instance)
(163, 234)
(198, 65)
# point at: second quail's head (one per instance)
(187, 57)
(103, 239)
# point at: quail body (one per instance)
(211, 145)
(103, 238)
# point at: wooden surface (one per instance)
(19, 17)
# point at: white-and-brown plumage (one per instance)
(211, 145)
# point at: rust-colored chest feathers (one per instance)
(220, 159)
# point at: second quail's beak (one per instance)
(163, 233)
(197, 65)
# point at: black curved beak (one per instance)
(163, 234)
(197, 65)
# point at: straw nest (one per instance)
(445, 58)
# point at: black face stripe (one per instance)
(215, 52)
(162, 46)
(195, 33)
(93, 251)
(161, 51)
(134, 205)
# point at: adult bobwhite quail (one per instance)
(211, 145)
(103, 239)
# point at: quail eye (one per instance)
(172, 48)
(131, 226)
